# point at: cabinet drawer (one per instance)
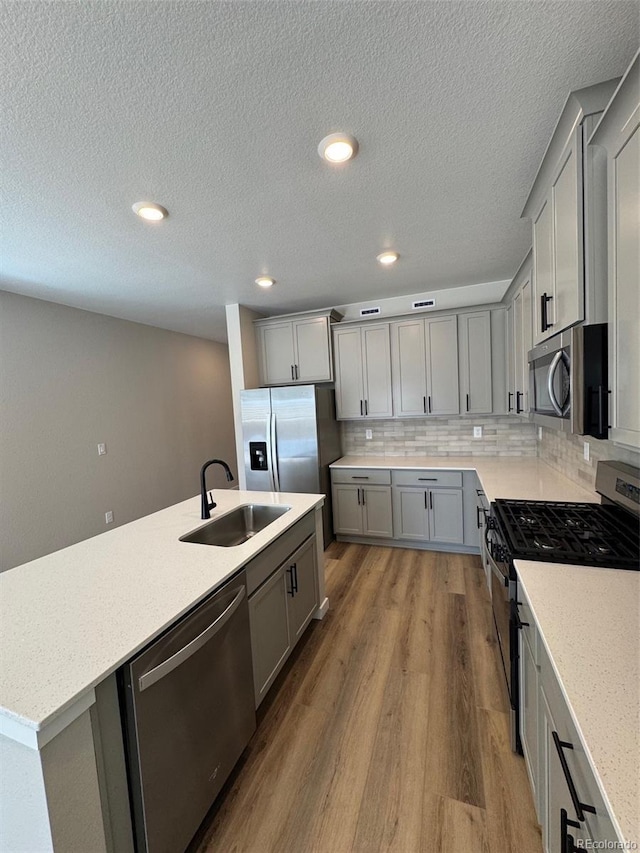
(259, 569)
(361, 476)
(428, 479)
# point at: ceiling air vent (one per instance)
(423, 303)
(369, 312)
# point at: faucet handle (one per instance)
(211, 501)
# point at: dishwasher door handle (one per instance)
(191, 648)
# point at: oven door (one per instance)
(503, 602)
(550, 382)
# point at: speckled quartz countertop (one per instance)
(517, 477)
(596, 656)
(71, 618)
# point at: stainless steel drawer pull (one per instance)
(191, 648)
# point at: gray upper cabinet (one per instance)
(619, 134)
(295, 348)
(564, 218)
(425, 367)
(363, 371)
(474, 331)
(519, 340)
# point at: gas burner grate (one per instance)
(590, 534)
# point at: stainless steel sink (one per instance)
(236, 526)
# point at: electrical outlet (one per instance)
(108, 517)
(585, 451)
(102, 450)
(539, 433)
(477, 432)
(368, 434)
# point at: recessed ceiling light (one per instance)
(265, 281)
(150, 211)
(338, 147)
(387, 258)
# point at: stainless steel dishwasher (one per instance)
(189, 713)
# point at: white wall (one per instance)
(161, 401)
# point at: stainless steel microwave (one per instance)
(568, 381)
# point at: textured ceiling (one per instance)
(215, 110)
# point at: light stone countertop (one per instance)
(516, 477)
(596, 656)
(69, 619)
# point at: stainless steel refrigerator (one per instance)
(291, 436)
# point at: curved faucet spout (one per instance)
(206, 501)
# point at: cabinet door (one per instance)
(511, 372)
(270, 644)
(376, 350)
(376, 511)
(445, 516)
(567, 238)
(348, 370)
(529, 709)
(624, 278)
(347, 509)
(475, 362)
(543, 270)
(277, 353)
(302, 604)
(442, 366)
(518, 353)
(526, 343)
(409, 368)
(410, 513)
(311, 347)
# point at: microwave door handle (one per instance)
(274, 454)
(550, 377)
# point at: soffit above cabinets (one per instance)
(215, 110)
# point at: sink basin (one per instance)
(236, 526)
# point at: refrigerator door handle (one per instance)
(274, 454)
(270, 456)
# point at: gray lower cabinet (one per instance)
(270, 639)
(302, 595)
(362, 510)
(283, 596)
(554, 753)
(434, 515)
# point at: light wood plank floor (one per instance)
(388, 729)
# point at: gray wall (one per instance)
(161, 401)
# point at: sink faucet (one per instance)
(206, 501)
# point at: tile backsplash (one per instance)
(440, 436)
(566, 453)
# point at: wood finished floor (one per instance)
(388, 729)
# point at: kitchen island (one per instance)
(68, 621)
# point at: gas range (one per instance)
(579, 533)
(605, 535)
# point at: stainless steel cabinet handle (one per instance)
(191, 648)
